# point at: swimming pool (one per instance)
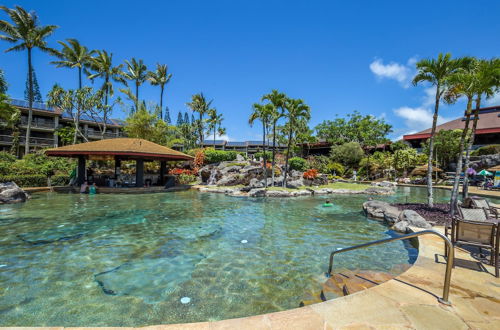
(129, 260)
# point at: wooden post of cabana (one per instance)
(120, 149)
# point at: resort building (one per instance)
(487, 132)
(45, 123)
(248, 147)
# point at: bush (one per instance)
(36, 180)
(7, 157)
(59, 180)
(186, 178)
(216, 156)
(260, 154)
(336, 168)
(297, 163)
(487, 150)
(310, 174)
(348, 154)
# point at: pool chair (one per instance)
(484, 235)
(468, 214)
(490, 210)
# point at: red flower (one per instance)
(310, 174)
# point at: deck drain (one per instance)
(185, 300)
(244, 241)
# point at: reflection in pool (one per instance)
(127, 260)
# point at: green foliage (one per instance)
(66, 134)
(215, 156)
(59, 180)
(405, 159)
(446, 146)
(33, 180)
(376, 164)
(298, 163)
(260, 154)
(365, 130)
(3, 83)
(35, 164)
(337, 168)
(7, 158)
(398, 145)
(37, 96)
(186, 178)
(348, 154)
(487, 150)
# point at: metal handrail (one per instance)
(449, 261)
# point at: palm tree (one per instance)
(437, 72)
(278, 101)
(200, 105)
(264, 113)
(27, 33)
(461, 83)
(487, 84)
(73, 55)
(137, 72)
(160, 77)
(3, 83)
(102, 65)
(214, 121)
(296, 110)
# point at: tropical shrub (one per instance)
(348, 154)
(337, 168)
(186, 178)
(34, 180)
(59, 180)
(311, 174)
(260, 154)
(199, 158)
(183, 171)
(487, 150)
(297, 163)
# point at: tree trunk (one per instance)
(106, 94)
(136, 97)
(290, 134)
(273, 162)
(456, 182)
(215, 127)
(465, 189)
(430, 199)
(265, 156)
(161, 102)
(200, 129)
(79, 77)
(30, 104)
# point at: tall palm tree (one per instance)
(296, 110)
(263, 113)
(160, 77)
(102, 66)
(214, 121)
(461, 83)
(437, 72)
(487, 84)
(27, 33)
(137, 72)
(278, 101)
(73, 55)
(200, 105)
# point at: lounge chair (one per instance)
(490, 210)
(472, 214)
(484, 235)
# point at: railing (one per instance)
(39, 124)
(450, 252)
(37, 141)
(6, 138)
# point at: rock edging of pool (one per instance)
(287, 192)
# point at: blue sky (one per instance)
(338, 56)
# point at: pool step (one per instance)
(347, 282)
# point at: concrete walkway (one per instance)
(472, 190)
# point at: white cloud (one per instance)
(429, 97)
(224, 137)
(402, 73)
(417, 119)
(495, 100)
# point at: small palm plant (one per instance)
(160, 77)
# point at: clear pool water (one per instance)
(132, 260)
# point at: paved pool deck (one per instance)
(409, 301)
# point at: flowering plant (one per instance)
(310, 174)
(181, 171)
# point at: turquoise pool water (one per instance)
(128, 260)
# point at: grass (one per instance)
(336, 185)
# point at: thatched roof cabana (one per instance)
(422, 170)
(125, 148)
(120, 149)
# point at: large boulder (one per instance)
(379, 191)
(386, 184)
(258, 192)
(391, 214)
(375, 209)
(414, 219)
(256, 183)
(230, 180)
(11, 193)
(230, 169)
(240, 158)
(299, 182)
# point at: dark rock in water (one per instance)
(11, 193)
(152, 280)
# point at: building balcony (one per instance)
(39, 124)
(108, 135)
(34, 141)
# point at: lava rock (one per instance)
(10, 193)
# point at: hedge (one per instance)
(215, 156)
(297, 163)
(260, 154)
(59, 180)
(487, 150)
(33, 180)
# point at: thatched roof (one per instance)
(422, 170)
(124, 148)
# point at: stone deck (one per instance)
(408, 301)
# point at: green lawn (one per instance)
(337, 185)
